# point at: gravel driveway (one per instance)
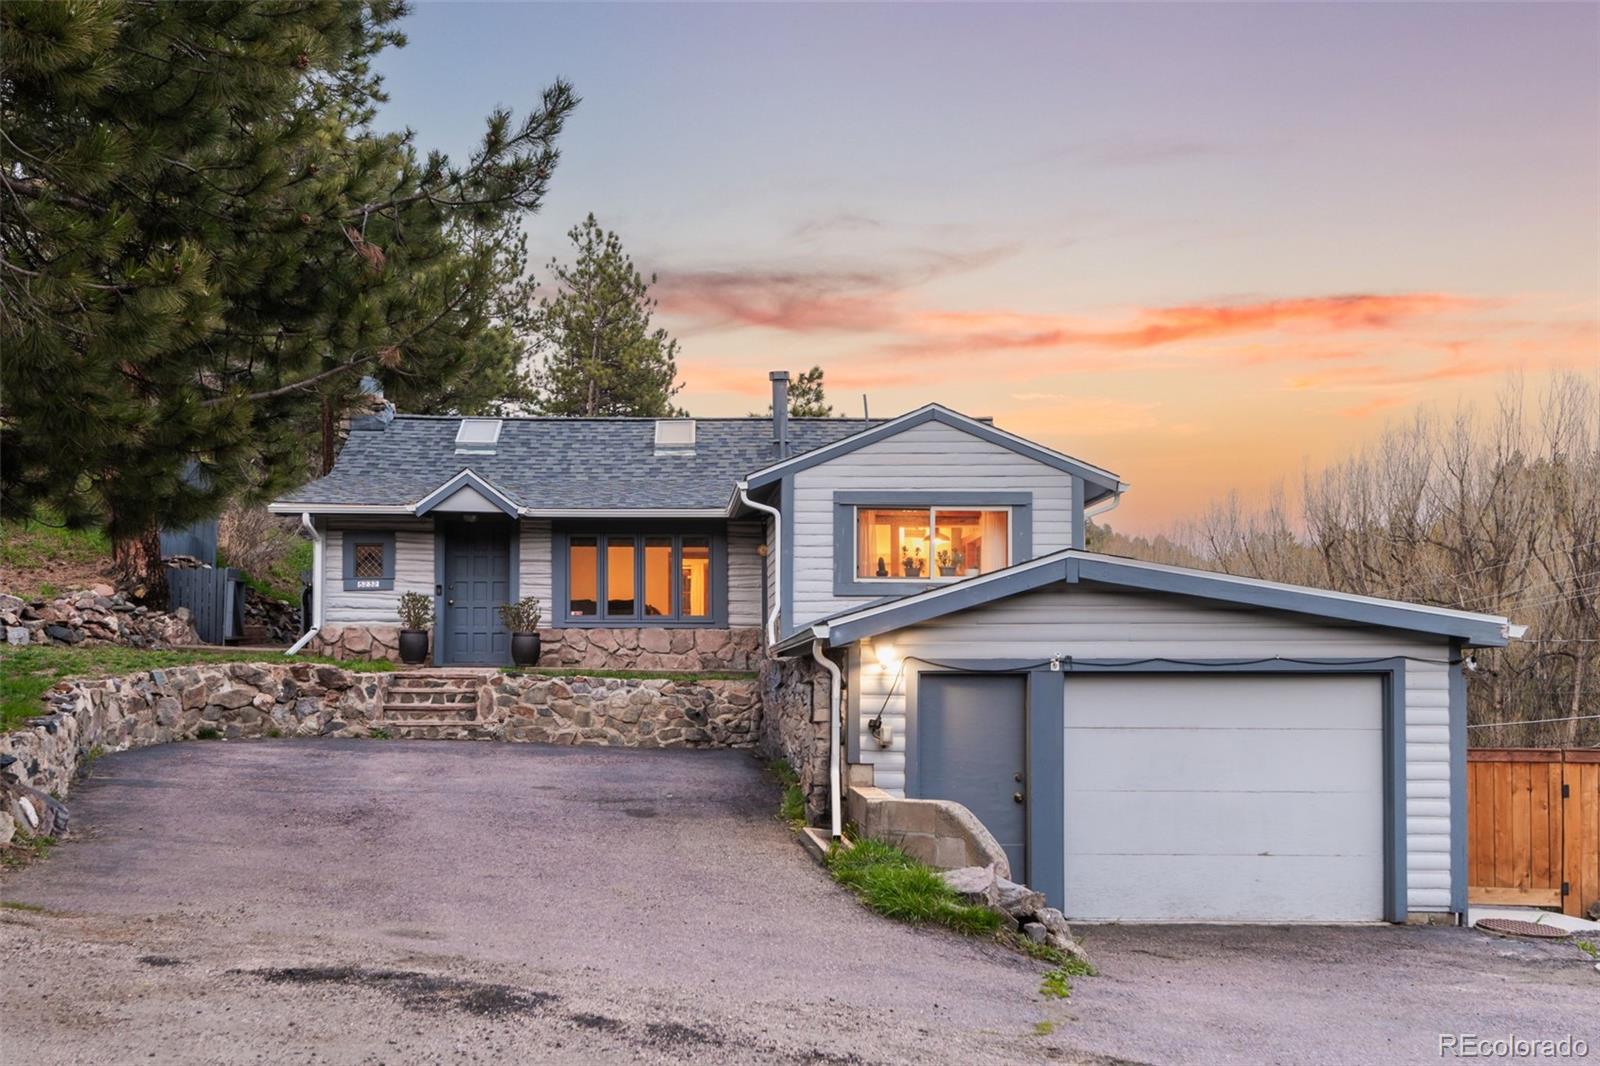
(388, 901)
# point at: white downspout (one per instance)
(1100, 509)
(836, 825)
(317, 577)
(776, 560)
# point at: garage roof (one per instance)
(1074, 565)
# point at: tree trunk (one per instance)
(330, 435)
(136, 562)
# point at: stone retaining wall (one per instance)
(99, 615)
(795, 695)
(245, 700)
(625, 712)
(641, 648)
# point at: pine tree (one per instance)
(205, 244)
(600, 356)
(806, 396)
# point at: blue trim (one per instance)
(1481, 631)
(1047, 763)
(845, 581)
(1105, 481)
(437, 651)
(1080, 532)
(786, 559)
(462, 480)
(1458, 781)
(349, 538)
(854, 698)
(1391, 671)
(636, 530)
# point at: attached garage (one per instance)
(1161, 744)
(1225, 797)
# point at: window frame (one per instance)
(350, 538)
(637, 535)
(846, 533)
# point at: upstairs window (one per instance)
(930, 543)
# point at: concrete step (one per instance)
(438, 695)
(426, 712)
(435, 730)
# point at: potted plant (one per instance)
(416, 615)
(950, 562)
(912, 567)
(522, 619)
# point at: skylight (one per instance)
(675, 436)
(478, 436)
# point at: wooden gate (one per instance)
(1533, 827)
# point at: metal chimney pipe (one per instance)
(780, 411)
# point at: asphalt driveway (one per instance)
(387, 901)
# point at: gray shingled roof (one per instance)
(563, 463)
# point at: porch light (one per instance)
(886, 655)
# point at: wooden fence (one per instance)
(214, 595)
(1533, 827)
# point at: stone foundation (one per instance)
(643, 648)
(632, 713)
(795, 697)
(652, 648)
(356, 642)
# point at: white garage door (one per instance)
(1224, 798)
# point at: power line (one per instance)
(1538, 721)
(1581, 575)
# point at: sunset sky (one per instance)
(1202, 246)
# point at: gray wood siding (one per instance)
(1108, 624)
(925, 458)
(535, 560)
(745, 567)
(413, 572)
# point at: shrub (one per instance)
(522, 616)
(416, 610)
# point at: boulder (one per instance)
(1055, 922)
(1035, 932)
(16, 635)
(974, 884)
(1019, 901)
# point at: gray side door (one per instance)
(477, 579)
(971, 748)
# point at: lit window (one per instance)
(930, 543)
(657, 578)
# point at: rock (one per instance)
(1017, 900)
(231, 698)
(1594, 911)
(16, 635)
(63, 634)
(103, 590)
(1055, 922)
(974, 884)
(1035, 932)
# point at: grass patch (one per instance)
(1588, 948)
(379, 734)
(643, 675)
(208, 732)
(1057, 984)
(897, 886)
(792, 807)
(38, 543)
(1043, 1028)
(26, 674)
(18, 905)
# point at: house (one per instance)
(1146, 742)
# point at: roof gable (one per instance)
(466, 492)
(1074, 565)
(1103, 481)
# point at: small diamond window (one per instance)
(369, 561)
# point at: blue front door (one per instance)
(972, 748)
(477, 580)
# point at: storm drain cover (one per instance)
(1517, 927)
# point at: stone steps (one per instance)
(430, 712)
(435, 729)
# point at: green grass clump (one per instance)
(26, 674)
(379, 734)
(1589, 948)
(18, 905)
(1043, 1028)
(1057, 984)
(897, 886)
(792, 807)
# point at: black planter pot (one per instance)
(525, 649)
(413, 646)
